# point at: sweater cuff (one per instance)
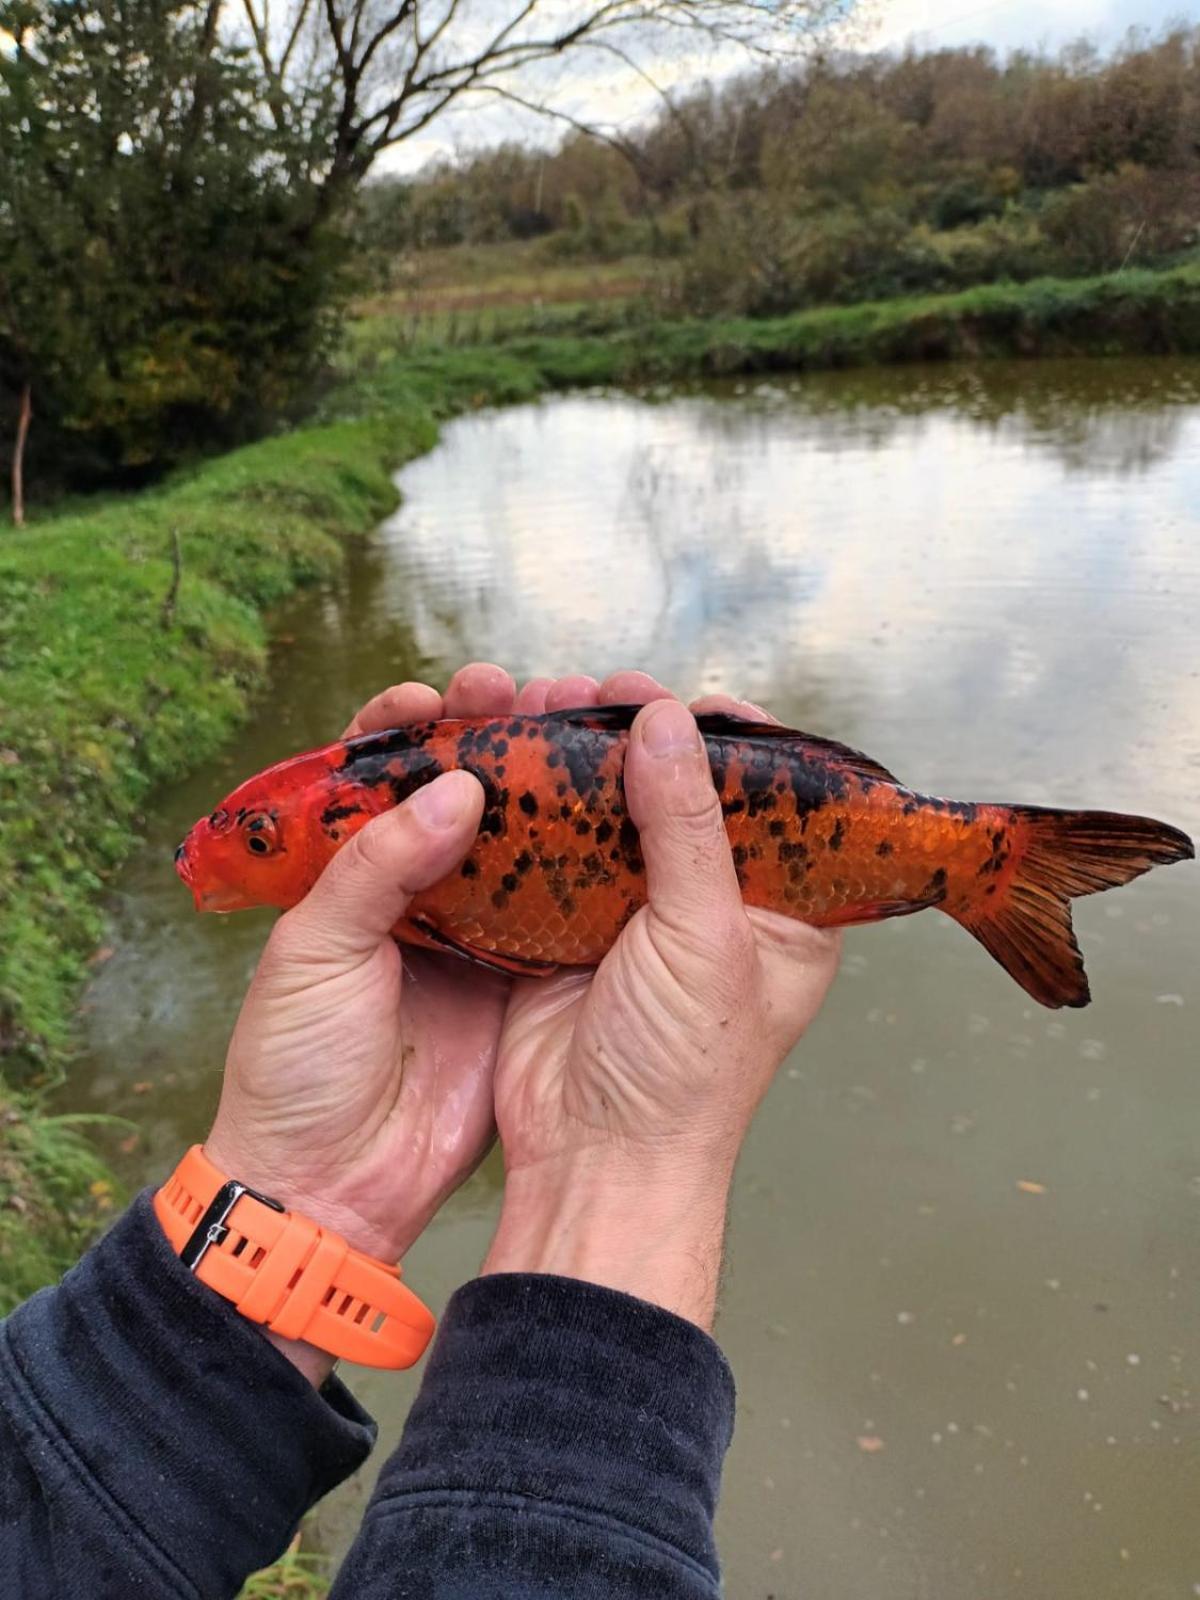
(192, 1429)
(568, 1392)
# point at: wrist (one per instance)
(234, 1160)
(652, 1226)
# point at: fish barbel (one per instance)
(818, 832)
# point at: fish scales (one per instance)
(817, 831)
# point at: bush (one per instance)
(1130, 215)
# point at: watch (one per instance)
(282, 1269)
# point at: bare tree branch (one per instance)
(388, 75)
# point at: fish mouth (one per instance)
(210, 899)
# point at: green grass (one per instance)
(54, 1192)
(108, 689)
(297, 1575)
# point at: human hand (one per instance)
(623, 1097)
(358, 1083)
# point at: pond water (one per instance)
(961, 1298)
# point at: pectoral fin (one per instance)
(422, 930)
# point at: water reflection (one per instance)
(990, 580)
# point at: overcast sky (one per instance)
(612, 96)
(1010, 23)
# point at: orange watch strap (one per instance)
(282, 1269)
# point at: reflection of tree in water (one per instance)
(1095, 416)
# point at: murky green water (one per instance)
(950, 1386)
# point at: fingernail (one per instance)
(669, 729)
(440, 803)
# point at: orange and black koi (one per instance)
(818, 832)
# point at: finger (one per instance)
(531, 701)
(567, 693)
(631, 689)
(726, 705)
(481, 689)
(393, 707)
(690, 876)
(366, 888)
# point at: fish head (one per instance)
(254, 849)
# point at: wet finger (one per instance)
(394, 706)
(531, 698)
(628, 688)
(576, 690)
(481, 689)
(690, 875)
(367, 886)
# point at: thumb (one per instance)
(669, 790)
(365, 889)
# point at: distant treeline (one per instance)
(853, 178)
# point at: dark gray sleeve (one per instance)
(152, 1442)
(567, 1441)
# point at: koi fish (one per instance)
(818, 832)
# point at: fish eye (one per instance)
(262, 835)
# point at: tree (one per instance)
(385, 69)
(162, 287)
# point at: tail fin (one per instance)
(1027, 925)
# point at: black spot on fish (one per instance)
(469, 868)
(717, 763)
(516, 728)
(883, 848)
(777, 827)
(935, 889)
(560, 789)
(523, 862)
(760, 800)
(553, 759)
(499, 899)
(813, 784)
(511, 882)
(583, 749)
(500, 748)
(733, 808)
(604, 831)
(740, 855)
(840, 830)
(333, 814)
(631, 850)
(583, 827)
(528, 803)
(910, 807)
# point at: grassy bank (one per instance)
(1130, 313)
(132, 633)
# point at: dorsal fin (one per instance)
(721, 725)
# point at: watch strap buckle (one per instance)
(212, 1228)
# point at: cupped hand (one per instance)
(358, 1084)
(623, 1097)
